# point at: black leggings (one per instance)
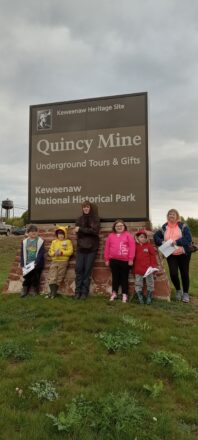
(120, 275)
(180, 263)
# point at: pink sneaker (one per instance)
(113, 296)
(124, 298)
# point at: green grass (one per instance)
(8, 248)
(61, 379)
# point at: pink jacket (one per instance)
(119, 247)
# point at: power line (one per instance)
(20, 207)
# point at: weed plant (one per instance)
(154, 390)
(178, 366)
(44, 389)
(113, 416)
(136, 323)
(14, 351)
(119, 340)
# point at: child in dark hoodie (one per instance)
(87, 231)
(144, 258)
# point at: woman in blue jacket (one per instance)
(179, 260)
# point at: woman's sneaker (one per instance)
(124, 298)
(185, 298)
(113, 296)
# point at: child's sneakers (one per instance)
(185, 298)
(178, 295)
(124, 298)
(113, 296)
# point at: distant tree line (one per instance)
(193, 225)
(18, 221)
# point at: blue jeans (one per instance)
(84, 266)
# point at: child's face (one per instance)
(86, 209)
(142, 238)
(60, 236)
(119, 227)
(32, 235)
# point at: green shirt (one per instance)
(31, 249)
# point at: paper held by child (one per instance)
(28, 268)
(149, 271)
(167, 248)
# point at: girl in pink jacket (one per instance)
(119, 254)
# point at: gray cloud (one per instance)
(56, 51)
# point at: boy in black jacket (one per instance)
(32, 260)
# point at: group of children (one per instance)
(122, 251)
(32, 251)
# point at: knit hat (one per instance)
(140, 232)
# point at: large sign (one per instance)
(94, 149)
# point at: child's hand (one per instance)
(107, 263)
(130, 263)
(76, 229)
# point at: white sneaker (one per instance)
(124, 298)
(185, 298)
(113, 296)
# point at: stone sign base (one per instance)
(101, 276)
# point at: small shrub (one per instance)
(44, 390)
(178, 366)
(110, 417)
(75, 416)
(119, 340)
(118, 414)
(12, 350)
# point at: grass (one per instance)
(65, 372)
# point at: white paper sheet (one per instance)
(28, 268)
(150, 270)
(167, 248)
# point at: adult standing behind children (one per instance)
(179, 260)
(60, 251)
(87, 230)
(32, 255)
(144, 258)
(119, 254)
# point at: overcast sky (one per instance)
(61, 50)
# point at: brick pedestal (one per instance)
(101, 276)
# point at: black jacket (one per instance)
(88, 234)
